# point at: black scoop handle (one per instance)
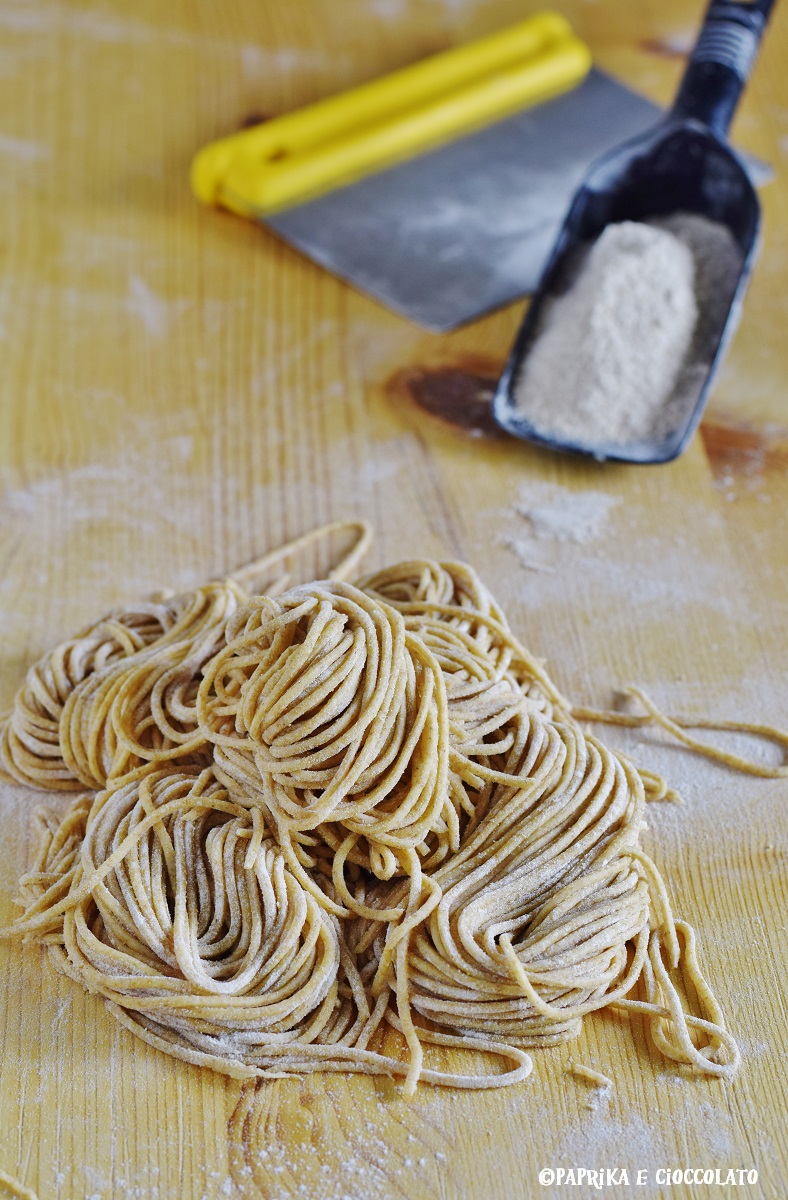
(721, 62)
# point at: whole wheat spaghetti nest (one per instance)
(318, 816)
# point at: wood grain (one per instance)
(181, 391)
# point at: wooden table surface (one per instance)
(181, 391)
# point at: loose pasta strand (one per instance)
(678, 726)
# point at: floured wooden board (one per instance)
(180, 392)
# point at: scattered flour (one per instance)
(523, 552)
(22, 148)
(555, 512)
(155, 312)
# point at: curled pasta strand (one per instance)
(251, 574)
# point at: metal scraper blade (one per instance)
(466, 228)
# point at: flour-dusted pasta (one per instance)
(345, 810)
(121, 692)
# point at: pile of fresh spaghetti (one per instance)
(316, 817)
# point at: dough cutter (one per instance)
(438, 190)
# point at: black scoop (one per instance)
(684, 165)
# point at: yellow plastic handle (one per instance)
(340, 139)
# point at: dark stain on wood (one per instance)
(458, 393)
(253, 119)
(736, 450)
